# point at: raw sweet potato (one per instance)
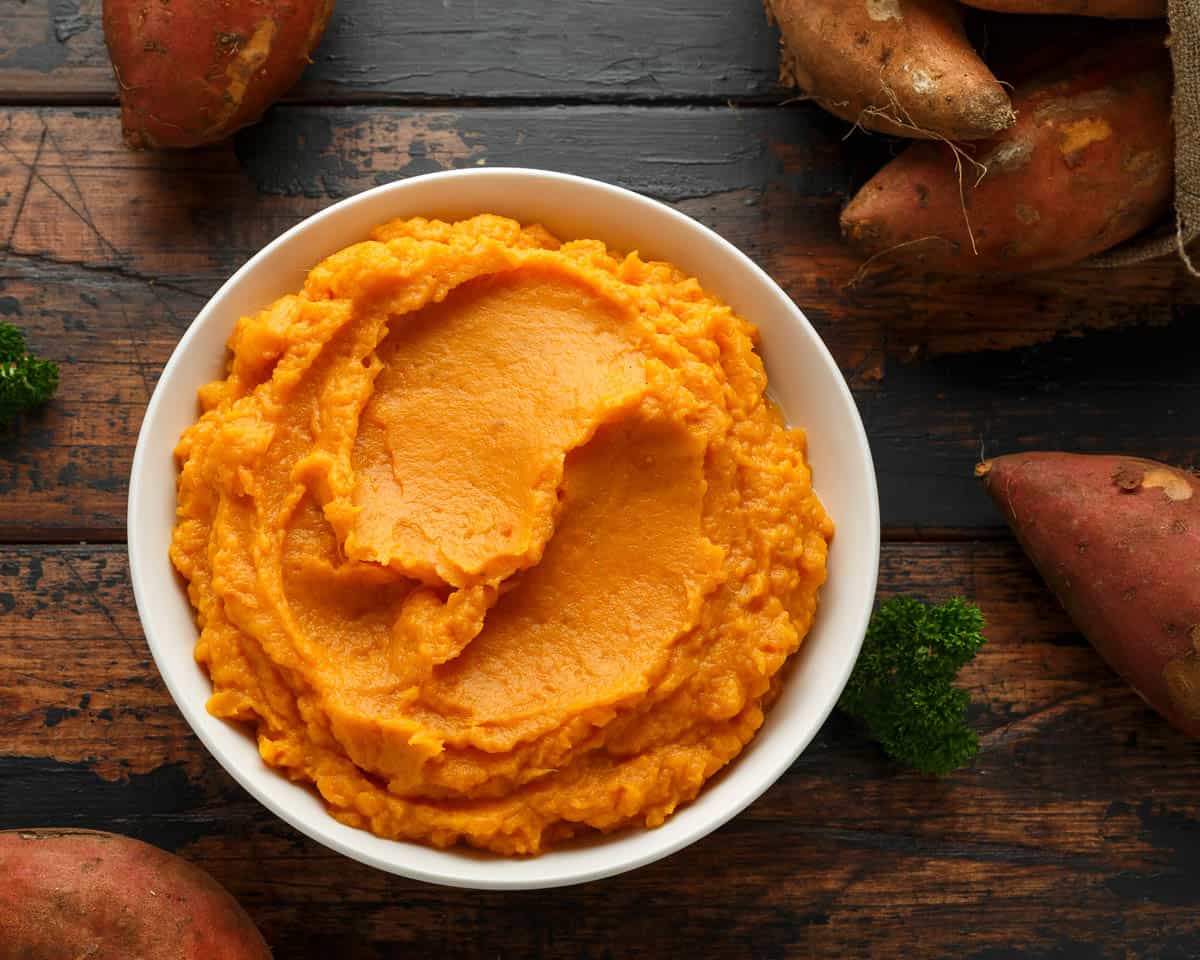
(82, 893)
(191, 72)
(1089, 163)
(898, 66)
(1118, 540)
(1115, 9)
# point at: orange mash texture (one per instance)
(495, 539)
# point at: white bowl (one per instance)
(805, 382)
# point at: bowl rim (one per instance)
(324, 833)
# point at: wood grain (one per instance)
(591, 51)
(455, 49)
(1072, 833)
(107, 255)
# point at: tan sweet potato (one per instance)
(1114, 9)
(1089, 163)
(1118, 540)
(898, 66)
(82, 893)
(191, 72)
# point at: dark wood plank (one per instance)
(105, 256)
(53, 50)
(1073, 835)
(704, 51)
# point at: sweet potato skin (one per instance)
(1113, 9)
(83, 893)
(854, 56)
(1118, 540)
(191, 72)
(1088, 164)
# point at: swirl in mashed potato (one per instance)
(495, 539)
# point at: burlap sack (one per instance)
(1175, 237)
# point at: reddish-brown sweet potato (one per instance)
(1114, 9)
(1118, 540)
(191, 72)
(1088, 164)
(898, 66)
(82, 893)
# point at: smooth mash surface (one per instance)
(494, 539)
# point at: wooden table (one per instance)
(1075, 834)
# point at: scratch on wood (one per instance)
(86, 215)
(34, 172)
(134, 345)
(12, 232)
(1032, 723)
(101, 608)
(115, 269)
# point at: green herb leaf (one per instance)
(903, 688)
(25, 380)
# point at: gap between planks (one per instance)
(90, 98)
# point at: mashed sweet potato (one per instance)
(495, 539)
